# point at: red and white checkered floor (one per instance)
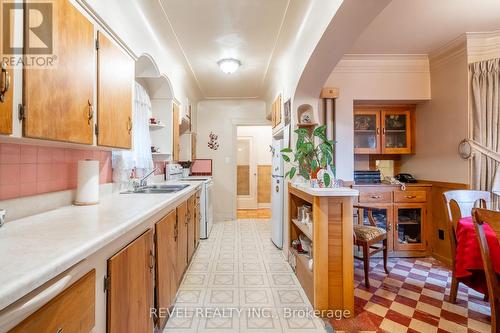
(413, 298)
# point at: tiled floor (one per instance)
(412, 298)
(238, 281)
(263, 213)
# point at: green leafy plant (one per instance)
(310, 157)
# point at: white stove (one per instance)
(174, 172)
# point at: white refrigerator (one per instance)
(277, 194)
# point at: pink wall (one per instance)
(28, 170)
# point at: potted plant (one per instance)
(313, 157)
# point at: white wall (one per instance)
(262, 139)
(372, 78)
(443, 122)
(222, 117)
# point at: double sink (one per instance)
(162, 188)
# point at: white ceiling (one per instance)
(208, 31)
(422, 26)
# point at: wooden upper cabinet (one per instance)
(58, 100)
(387, 130)
(166, 276)
(6, 83)
(130, 287)
(175, 133)
(115, 78)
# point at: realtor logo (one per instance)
(39, 18)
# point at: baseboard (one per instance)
(444, 260)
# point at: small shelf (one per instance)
(156, 126)
(307, 124)
(407, 222)
(303, 228)
(157, 154)
(304, 275)
(365, 131)
(395, 131)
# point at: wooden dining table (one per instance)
(468, 261)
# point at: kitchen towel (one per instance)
(87, 191)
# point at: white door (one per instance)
(246, 174)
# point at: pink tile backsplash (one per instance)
(28, 170)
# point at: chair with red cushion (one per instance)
(492, 218)
(459, 204)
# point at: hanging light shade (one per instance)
(229, 65)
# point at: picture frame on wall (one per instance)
(287, 112)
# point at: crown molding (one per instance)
(383, 63)
(449, 52)
(483, 45)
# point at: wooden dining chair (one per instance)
(481, 216)
(367, 236)
(459, 204)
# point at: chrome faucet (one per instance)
(3, 212)
(144, 180)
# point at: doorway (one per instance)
(253, 173)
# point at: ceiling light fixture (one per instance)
(229, 65)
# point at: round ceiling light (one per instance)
(229, 65)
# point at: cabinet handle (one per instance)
(5, 82)
(410, 196)
(378, 131)
(60, 330)
(389, 227)
(91, 111)
(151, 260)
(376, 196)
(129, 125)
(383, 131)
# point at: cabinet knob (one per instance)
(410, 196)
(376, 196)
(60, 330)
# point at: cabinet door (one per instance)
(130, 289)
(410, 222)
(115, 78)
(71, 311)
(181, 240)
(191, 226)
(367, 132)
(175, 133)
(58, 101)
(396, 132)
(197, 221)
(166, 277)
(6, 81)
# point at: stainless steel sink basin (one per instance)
(164, 188)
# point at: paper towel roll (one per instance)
(87, 191)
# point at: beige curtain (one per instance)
(485, 100)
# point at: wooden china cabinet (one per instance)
(383, 129)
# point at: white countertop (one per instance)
(327, 192)
(35, 249)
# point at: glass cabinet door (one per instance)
(410, 222)
(396, 132)
(366, 132)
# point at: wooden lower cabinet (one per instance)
(182, 240)
(197, 220)
(71, 311)
(191, 226)
(166, 272)
(6, 107)
(130, 287)
(402, 213)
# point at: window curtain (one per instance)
(139, 158)
(485, 104)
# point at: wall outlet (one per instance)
(441, 234)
